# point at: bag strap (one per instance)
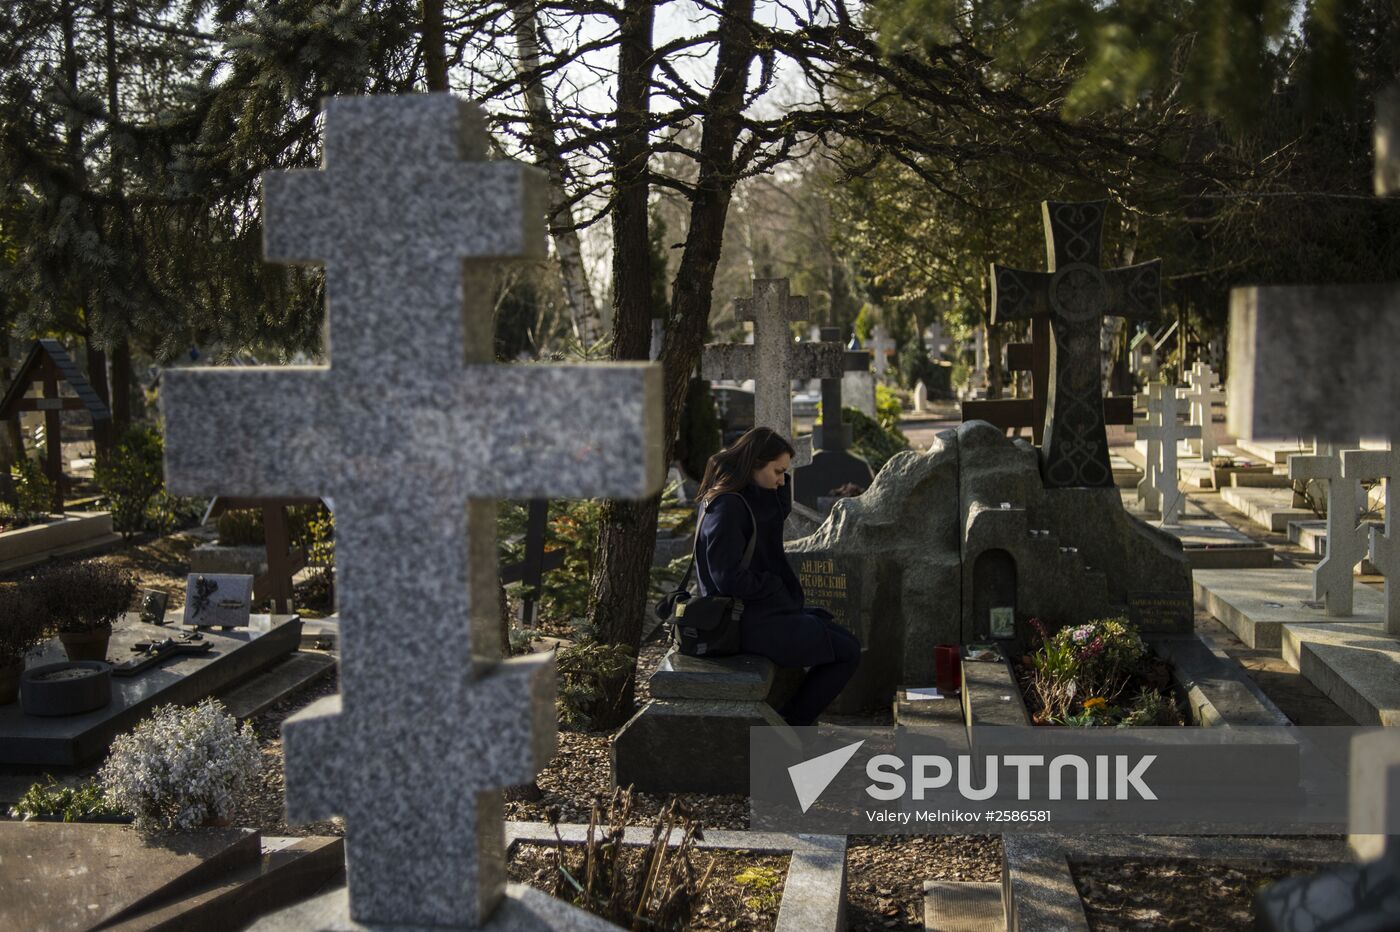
(695, 542)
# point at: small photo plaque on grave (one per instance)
(218, 601)
(153, 602)
(1003, 622)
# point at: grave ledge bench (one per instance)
(693, 735)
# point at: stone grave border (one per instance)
(1038, 888)
(1216, 688)
(69, 534)
(814, 893)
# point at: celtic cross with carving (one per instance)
(1075, 294)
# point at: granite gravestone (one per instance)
(920, 398)
(773, 360)
(833, 465)
(1361, 897)
(214, 600)
(1346, 538)
(1076, 294)
(857, 384)
(1384, 551)
(1202, 395)
(414, 431)
(735, 407)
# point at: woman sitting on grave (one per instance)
(742, 494)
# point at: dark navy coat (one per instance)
(775, 623)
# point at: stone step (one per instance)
(1218, 688)
(1256, 604)
(1271, 509)
(1353, 662)
(963, 906)
(269, 687)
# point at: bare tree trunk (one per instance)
(584, 314)
(627, 534)
(628, 538)
(434, 46)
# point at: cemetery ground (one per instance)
(886, 874)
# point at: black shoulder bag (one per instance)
(706, 626)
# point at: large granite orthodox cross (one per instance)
(773, 360)
(1075, 294)
(414, 431)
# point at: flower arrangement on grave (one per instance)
(24, 625)
(1081, 673)
(182, 767)
(82, 601)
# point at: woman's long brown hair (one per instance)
(732, 468)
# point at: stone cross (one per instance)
(1168, 432)
(1346, 540)
(414, 431)
(1075, 294)
(835, 434)
(1203, 393)
(773, 360)
(1149, 491)
(1364, 466)
(880, 347)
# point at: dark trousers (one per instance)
(823, 682)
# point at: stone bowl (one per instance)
(70, 688)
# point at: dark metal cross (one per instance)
(1075, 295)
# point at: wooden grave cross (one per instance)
(47, 367)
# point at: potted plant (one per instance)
(83, 600)
(24, 625)
(182, 767)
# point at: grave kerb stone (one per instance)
(1346, 541)
(1168, 433)
(414, 432)
(1364, 466)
